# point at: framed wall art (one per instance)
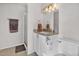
(13, 25)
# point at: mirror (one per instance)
(51, 16)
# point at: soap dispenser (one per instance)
(39, 26)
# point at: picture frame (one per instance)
(13, 25)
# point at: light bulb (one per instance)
(55, 6)
(53, 9)
(49, 11)
(50, 7)
(46, 9)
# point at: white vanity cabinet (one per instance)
(38, 46)
(63, 46)
(41, 46)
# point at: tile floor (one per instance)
(11, 52)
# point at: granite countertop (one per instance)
(45, 33)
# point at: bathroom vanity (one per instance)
(53, 45)
(44, 43)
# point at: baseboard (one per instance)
(25, 46)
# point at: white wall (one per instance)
(7, 11)
(69, 20)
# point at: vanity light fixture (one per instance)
(49, 8)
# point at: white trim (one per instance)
(25, 46)
(11, 46)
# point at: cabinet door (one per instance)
(70, 48)
(42, 44)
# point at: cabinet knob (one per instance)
(59, 41)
